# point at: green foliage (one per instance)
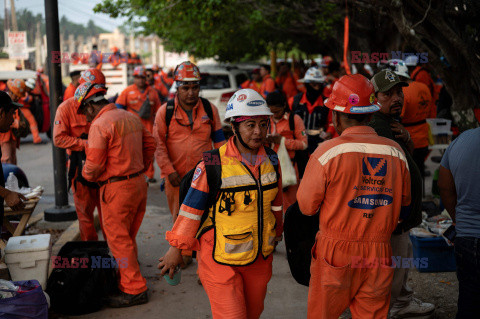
(229, 30)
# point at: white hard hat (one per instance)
(246, 102)
(398, 66)
(411, 60)
(314, 75)
(30, 83)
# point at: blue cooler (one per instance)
(441, 257)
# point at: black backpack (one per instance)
(77, 290)
(171, 108)
(300, 231)
(213, 170)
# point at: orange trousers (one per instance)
(173, 196)
(340, 280)
(234, 292)
(86, 199)
(123, 207)
(9, 152)
(33, 124)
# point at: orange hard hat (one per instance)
(353, 94)
(85, 91)
(187, 71)
(139, 71)
(114, 49)
(17, 87)
(92, 75)
(155, 68)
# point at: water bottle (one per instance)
(12, 182)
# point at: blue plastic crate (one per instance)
(441, 257)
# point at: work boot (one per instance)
(415, 309)
(127, 300)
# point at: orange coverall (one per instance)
(132, 100)
(416, 109)
(67, 129)
(359, 183)
(184, 147)
(235, 292)
(294, 140)
(119, 146)
(26, 102)
(69, 92)
(288, 85)
(268, 85)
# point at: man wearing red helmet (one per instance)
(119, 149)
(360, 185)
(70, 131)
(142, 100)
(191, 132)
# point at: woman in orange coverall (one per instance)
(291, 127)
(244, 221)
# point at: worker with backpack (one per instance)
(316, 116)
(184, 128)
(289, 127)
(234, 219)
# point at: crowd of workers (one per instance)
(344, 134)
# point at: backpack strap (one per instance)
(169, 113)
(171, 107)
(291, 122)
(274, 159)
(296, 101)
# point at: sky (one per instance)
(78, 11)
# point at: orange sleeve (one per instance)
(312, 187)
(270, 85)
(61, 137)
(121, 101)
(149, 147)
(186, 226)
(300, 142)
(96, 151)
(218, 137)
(159, 133)
(290, 102)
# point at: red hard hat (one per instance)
(92, 75)
(85, 91)
(352, 94)
(187, 71)
(17, 87)
(139, 71)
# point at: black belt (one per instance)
(119, 178)
(414, 123)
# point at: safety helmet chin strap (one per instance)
(237, 135)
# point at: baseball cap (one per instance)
(6, 101)
(385, 80)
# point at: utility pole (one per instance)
(62, 210)
(6, 25)
(14, 15)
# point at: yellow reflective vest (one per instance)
(242, 218)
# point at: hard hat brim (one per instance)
(372, 108)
